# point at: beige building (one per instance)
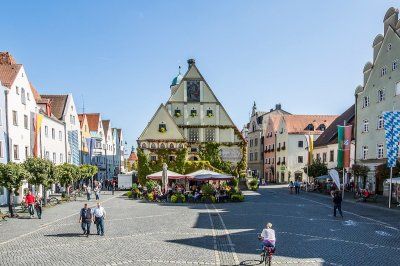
(380, 92)
(191, 117)
(291, 144)
(255, 137)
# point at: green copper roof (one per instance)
(176, 80)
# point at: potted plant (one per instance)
(208, 194)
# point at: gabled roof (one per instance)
(274, 120)
(81, 118)
(8, 74)
(330, 134)
(106, 125)
(36, 94)
(57, 103)
(8, 69)
(93, 121)
(133, 156)
(298, 123)
(151, 131)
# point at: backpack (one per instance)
(86, 215)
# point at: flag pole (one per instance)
(344, 124)
(390, 187)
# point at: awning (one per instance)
(170, 174)
(206, 175)
(324, 177)
(395, 180)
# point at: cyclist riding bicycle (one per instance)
(268, 237)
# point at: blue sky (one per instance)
(120, 56)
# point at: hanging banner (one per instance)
(392, 135)
(344, 145)
(310, 148)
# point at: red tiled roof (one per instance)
(57, 104)
(298, 123)
(106, 125)
(133, 156)
(93, 121)
(81, 118)
(8, 69)
(35, 93)
(8, 73)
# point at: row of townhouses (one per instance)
(278, 141)
(49, 126)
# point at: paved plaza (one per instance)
(139, 233)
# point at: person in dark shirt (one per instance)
(86, 218)
(337, 204)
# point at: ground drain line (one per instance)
(228, 236)
(214, 235)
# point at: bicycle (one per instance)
(52, 201)
(266, 256)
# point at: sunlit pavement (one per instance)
(140, 233)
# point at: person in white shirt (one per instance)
(268, 236)
(99, 216)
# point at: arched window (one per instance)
(171, 146)
(162, 146)
(253, 126)
(181, 146)
(153, 146)
(144, 146)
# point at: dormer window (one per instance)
(162, 127)
(322, 127)
(310, 127)
(193, 113)
(210, 113)
(177, 113)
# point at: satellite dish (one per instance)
(335, 176)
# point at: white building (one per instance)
(291, 144)
(98, 152)
(64, 109)
(326, 146)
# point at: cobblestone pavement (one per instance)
(140, 233)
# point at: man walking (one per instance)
(85, 218)
(30, 202)
(297, 186)
(88, 192)
(97, 192)
(337, 204)
(99, 217)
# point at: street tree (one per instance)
(66, 174)
(144, 168)
(11, 177)
(360, 171)
(87, 171)
(40, 170)
(317, 168)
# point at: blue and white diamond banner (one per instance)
(392, 135)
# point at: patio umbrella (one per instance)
(206, 175)
(170, 174)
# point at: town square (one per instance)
(200, 133)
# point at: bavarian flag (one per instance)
(344, 143)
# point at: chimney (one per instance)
(278, 106)
(191, 62)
